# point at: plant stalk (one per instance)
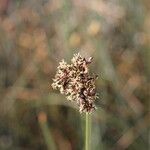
(88, 131)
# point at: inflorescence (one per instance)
(74, 81)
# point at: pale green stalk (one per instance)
(88, 132)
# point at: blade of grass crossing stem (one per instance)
(88, 131)
(47, 136)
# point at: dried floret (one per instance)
(74, 81)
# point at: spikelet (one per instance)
(74, 81)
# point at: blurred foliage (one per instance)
(36, 34)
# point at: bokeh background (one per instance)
(36, 34)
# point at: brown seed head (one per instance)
(74, 81)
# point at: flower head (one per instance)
(74, 81)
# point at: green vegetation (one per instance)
(35, 35)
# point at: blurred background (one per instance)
(36, 34)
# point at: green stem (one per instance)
(47, 135)
(88, 132)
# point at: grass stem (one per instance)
(88, 131)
